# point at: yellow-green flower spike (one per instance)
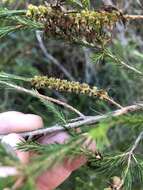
(67, 86)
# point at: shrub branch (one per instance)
(40, 96)
(89, 121)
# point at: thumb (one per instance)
(10, 143)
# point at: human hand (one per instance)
(14, 122)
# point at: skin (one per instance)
(14, 122)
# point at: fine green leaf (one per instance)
(99, 133)
(76, 3)
(85, 4)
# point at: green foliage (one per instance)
(79, 3)
(76, 3)
(6, 183)
(14, 22)
(86, 4)
(119, 166)
(21, 55)
(58, 115)
(5, 13)
(9, 159)
(49, 154)
(100, 135)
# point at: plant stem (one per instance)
(87, 120)
(133, 17)
(40, 96)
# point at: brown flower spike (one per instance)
(88, 27)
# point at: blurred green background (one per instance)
(21, 54)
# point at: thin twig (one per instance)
(51, 58)
(118, 60)
(90, 70)
(136, 142)
(58, 84)
(113, 102)
(133, 17)
(40, 96)
(87, 120)
(130, 155)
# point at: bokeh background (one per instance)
(21, 53)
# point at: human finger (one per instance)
(13, 122)
(57, 174)
(10, 143)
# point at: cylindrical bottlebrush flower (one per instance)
(67, 86)
(90, 27)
